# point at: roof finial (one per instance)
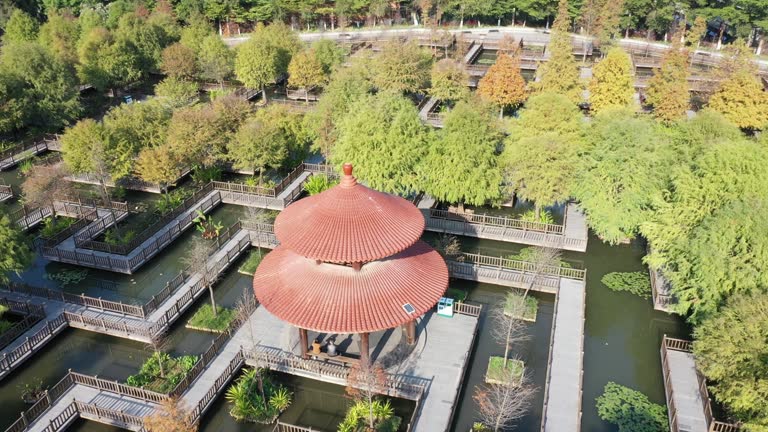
(348, 180)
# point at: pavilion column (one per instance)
(304, 342)
(364, 349)
(410, 332)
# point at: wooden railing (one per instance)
(496, 221)
(156, 227)
(80, 223)
(14, 155)
(32, 315)
(467, 309)
(92, 302)
(96, 412)
(234, 365)
(32, 344)
(286, 427)
(6, 190)
(524, 266)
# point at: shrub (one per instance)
(50, 229)
(357, 417)
(150, 377)
(631, 410)
(203, 175)
(544, 217)
(318, 183)
(248, 402)
(638, 283)
(116, 238)
(252, 263)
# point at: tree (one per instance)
(346, 86)
(329, 54)
(461, 164)
(742, 101)
(85, 152)
(106, 62)
(197, 261)
(608, 20)
(178, 61)
(698, 30)
(43, 183)
(612, 83)
(401, 67)
(503, 84)
(540, 260)
(449, 81)
(501, 404)
(560, 74)
(177, 93)
(706, 256)
(266, 55)
(20, 28)
(364, 382)
(159, 165)
(215, 61)
(384, 138)
(48, 87)
(258, 145)
(306, 72)
(730, 348)
(192, 35)
(59, 35)
(626, 171)
(15, 253)
(15, 104)
(668, 88)
(631, 410)
(170, 417)
(148, 35)
(541, 155)
(508, 327)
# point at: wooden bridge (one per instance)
(689, 408)
(427, 112)
(15, 155)
(571, 235)
(6, 193)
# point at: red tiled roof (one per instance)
(335, 298)
(349, 223)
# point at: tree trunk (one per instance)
(264, 94)
(537, 212)
(306, 96)
(370, 409)
(159, 355)
(501, 113)
(506, 346)
(213, 300)
(759, 47)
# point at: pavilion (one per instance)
(350, 262)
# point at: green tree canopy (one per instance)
(329, 53)
(305, 72)
(730, 349)
(631, 410)
(106, 62)
(161, 165)
(82, 145)
(560, 74)
(461, 165)
(625, 174)
(15, 103)
(741, 99)
(178, 61)
(401, 67)
(612, 83)
(548, 112)
(49, 86)
(20, 28)
(15, 253)
(215, 61)
(176, 92)
(148, 36)
(384, 138)
(266, 55)
(449, 80)
(60, 35)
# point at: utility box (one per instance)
(445, 307)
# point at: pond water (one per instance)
(622, 338)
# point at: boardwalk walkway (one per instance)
(6, 193)
(688, 405)
(572, 235)
(64, 314)
(427, 114)
(562, 395)
(16, 155)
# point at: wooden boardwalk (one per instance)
(688, 405)
(572, 235)
(16, 155)
(563, 388)
(6, 193)
(427, 114)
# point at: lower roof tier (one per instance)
(335, 298)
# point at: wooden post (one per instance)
(304, 341)
(364, 349)
(410, 332)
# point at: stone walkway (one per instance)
(562, 400)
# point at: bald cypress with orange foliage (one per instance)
(503, 84)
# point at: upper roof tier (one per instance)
(349, 223)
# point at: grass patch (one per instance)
(457, 294)
(204, 320)
(152, 377)
(531, 309)
(496, 374)
(50, 229)
(252, 263)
